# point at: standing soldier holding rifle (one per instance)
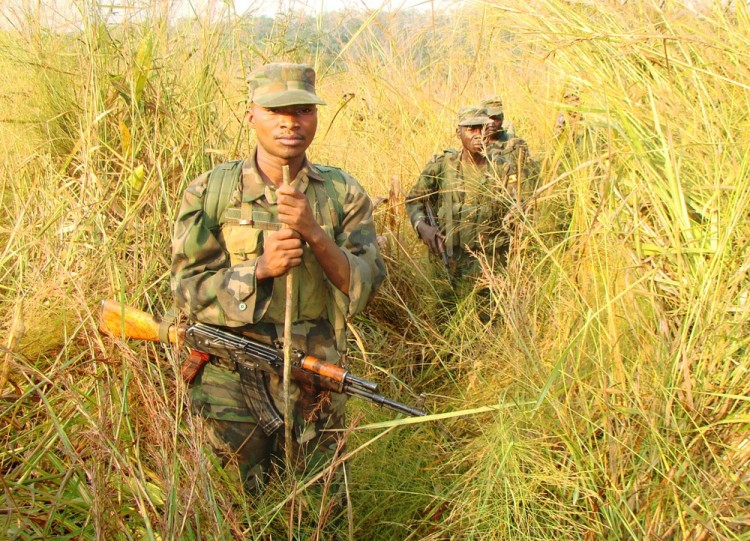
(465, 190)
(239, 231)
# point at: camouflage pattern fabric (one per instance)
(281, 83)
(213, 270)
(213, 281)
(233, 432)
(471, 115)
(478, 201)
(505, 143)
(578, 146)
(516, 152)
(578, 141)
(492, 104)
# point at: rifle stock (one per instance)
(119, 320)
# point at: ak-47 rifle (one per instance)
(431, 221)
(250, 359)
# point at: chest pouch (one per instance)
(476, 211)
(245, 239)
(243, 231)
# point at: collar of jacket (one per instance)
(254, 188)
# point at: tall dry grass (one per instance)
(608, 398)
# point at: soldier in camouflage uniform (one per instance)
(498, 131)
(576, 133)
(569, 117)
(230, 260)
(580, 146)
(469, 194)
(502, 140)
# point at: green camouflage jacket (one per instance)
(516, 152)
(213, 265)
(469, 212)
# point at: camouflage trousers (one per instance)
(462, 280)
(465, 267)
(236, 437)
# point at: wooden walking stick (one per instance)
(288, 315)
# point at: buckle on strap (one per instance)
(167, 321)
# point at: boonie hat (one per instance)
(472, 116)
(281, 84)
(493, 104)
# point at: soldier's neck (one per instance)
(473, 158)
(270, 167)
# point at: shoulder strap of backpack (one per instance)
(222, 183)
(335, 188)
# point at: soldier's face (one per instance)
(472, 138)
(496, 126)
(284, 132)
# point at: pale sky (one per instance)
(271, 7)
(62, 14)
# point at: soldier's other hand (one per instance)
(282, 251)
(295, 211)
(432, 237)
(517, 143)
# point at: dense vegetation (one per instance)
(608, 397)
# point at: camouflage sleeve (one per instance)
(204, 284)
(560, 124)
(427, 186)
(358, 241)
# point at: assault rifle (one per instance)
(250, 359)
(431, 221)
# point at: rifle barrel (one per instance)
(383, 401)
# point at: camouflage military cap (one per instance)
(281, 84)
(493, 104)
(472, 116)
